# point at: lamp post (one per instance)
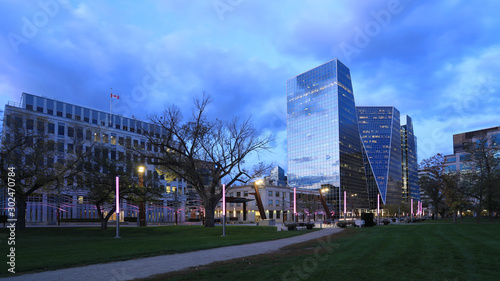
(117, 207)
(142, 210)
(294, 204)
(340, 202)
(411, 210)
(378, 208)
(223, 210)
(345, 205)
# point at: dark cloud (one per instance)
(435, 61)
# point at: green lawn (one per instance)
(52, 247)
(459, 220)
(396, 252)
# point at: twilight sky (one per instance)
(436, 61)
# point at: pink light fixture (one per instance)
(223, 199)
(294, 202)
(345, 203)
(411, 211)
(378, 205)
(117, 195)
(117, 202)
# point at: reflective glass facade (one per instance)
(411, 190)
(324, 146)
(380, 134)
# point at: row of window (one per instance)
(80, 133)
(44, 105)
(238, 194)
(245, 194)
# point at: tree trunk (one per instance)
(478, 212)
(21, 212)
(436, 210)
(454, 217)
(210, 213)
(104, 223)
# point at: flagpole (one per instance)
(110, 102)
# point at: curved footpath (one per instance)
(145, 267)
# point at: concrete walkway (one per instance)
(145, 267)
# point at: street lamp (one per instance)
(117, 202)
(223, 210)
(142, 209)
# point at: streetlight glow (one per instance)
(141, 169)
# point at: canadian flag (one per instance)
(115, 96)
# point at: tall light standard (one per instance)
(378, 208)
(345, 205)
(295, 205)
(223, 210)
(340, 202)
(142, 210)
(117, 207)
(411, 210)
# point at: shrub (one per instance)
(80, 220)
(342, 224)
(309, 225)
(291, 226)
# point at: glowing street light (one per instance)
(294, 204)
(378, 209)
(142, 209)
(117, 207)
(223, 210)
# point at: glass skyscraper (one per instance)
(381, 137)
(411, 190)
(324, 146)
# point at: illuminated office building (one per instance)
(411, 190)
(324, 146)
(380, 134)
(363, 151)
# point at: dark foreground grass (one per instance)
(40, 249)
(406, 252)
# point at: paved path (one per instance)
(145, 267)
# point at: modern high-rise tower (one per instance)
(380, 133)
(411, 190)
(324, 146)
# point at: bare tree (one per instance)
(454, 197)
(206, 153)
(97, 178)
(433, 184)
(309, 203)
(482, 180)
(39, 162)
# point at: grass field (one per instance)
(50, 248)
(395, 252)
